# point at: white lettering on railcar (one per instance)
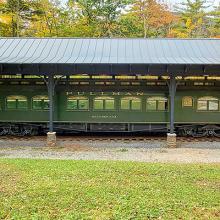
(104, 116)
(107, 93)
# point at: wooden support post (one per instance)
(171, 137)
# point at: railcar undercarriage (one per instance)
(31, 129)
(199, 130)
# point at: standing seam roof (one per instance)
(111, 51)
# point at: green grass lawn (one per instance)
(55, 189)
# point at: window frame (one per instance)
(130, 100)
(188, 106)
(16, 108)
(77, 98)
(161, 98)
(1, 105)
(104, 99)
(42, 101)
(205, 98)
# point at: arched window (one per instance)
(157, 103)
(208, 103)
(77, 103)
(131, 103)
(40, 102)
(187, 101)
(104, 103)
(16, 102)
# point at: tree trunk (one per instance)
(145, 29)
(18, 19)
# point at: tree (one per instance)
(19, 14)
(107, 18)
(5, 20)
(193, 20)
(154, 18)
(48, 19)
(100, 16)
(214, 27)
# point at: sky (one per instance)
(171, 3)
(177, 1)
(215, 2)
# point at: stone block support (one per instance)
(51, 139)
(171, 140)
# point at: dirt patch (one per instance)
(212, 185)
(205, 213)
(9, 177)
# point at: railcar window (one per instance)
(40, 103)
(125, 83)
(104, 103)
(136, 104)
(150, 83)
(125, 104)
(24, 83)
(135, 83)
(14, 83)
(99, 83)
(131, 103)
(157, 104)
(16, 102)
(208, 103)
(187, 101)
(161, 83)
(77, 103)
(39, 83)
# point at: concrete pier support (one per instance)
(51, 139)
(171, 140)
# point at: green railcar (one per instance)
(24, 108)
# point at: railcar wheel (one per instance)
(17, 131)
(28, 131)
(3, 131)
(210, 132)
(182, 132)
(13, 130)
(188, 131)
(217, 133)
(199, 132)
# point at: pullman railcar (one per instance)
(106, 104)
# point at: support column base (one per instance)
(171, 140)
(51, 139)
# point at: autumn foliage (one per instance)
(108, 18)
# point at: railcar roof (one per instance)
(109, 56)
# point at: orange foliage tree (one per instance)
(154, 17)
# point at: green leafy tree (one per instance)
(100, 17)
(214, 27)
(20, 13)
(48, 19)
(193, 19)
(4, 20)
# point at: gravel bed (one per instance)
(108, 143)
(129, 150)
